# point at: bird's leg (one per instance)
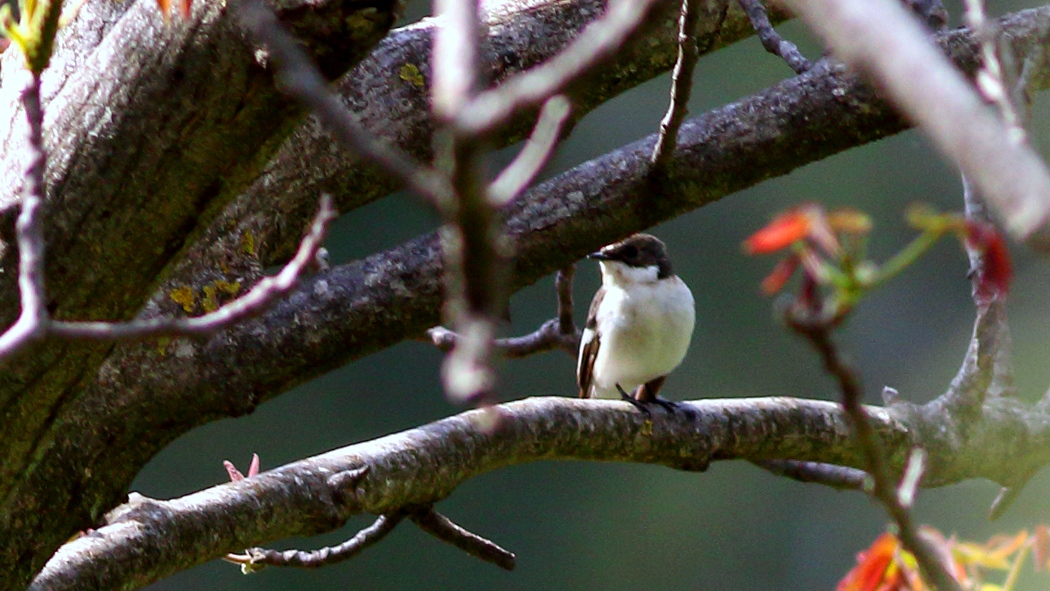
(634, 401)
(647, 393)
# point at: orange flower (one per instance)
(785, 229)
(875, 570)
(780, 274)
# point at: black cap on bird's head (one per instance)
(639, 250)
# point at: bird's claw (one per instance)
(644, 405)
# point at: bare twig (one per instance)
(681, 85)
(882, 486)
(987, 369)
(32, 321)
(991, 80)
(299, 77)
(771, 40)
(837, 477)
(560, 332)
(255, 558)
(444, 529)
(493, 108)
(257, 300)
(882, 39)
(531, 159)
(566, 324)
(474, 248)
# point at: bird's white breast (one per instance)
(644, 330)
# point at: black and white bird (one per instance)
(639, 325)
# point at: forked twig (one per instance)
(681, 85)
(300, 78)
(255, 558)
(556, 333)
(32, 321)
(492, 108)
(771, 40)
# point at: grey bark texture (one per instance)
(178, 173)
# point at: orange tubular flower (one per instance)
(780, 274)
(875, 570)
(785, 229)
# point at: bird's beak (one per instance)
(599, 256)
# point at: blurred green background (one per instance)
(618, 527)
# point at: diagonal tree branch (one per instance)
(295, 499)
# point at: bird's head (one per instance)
(640, 258)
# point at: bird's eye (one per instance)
(629, 252)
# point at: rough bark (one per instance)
(424, 465)
(148, 135)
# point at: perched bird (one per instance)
(639, 325)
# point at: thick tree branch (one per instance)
(296, 499)
(261, 296)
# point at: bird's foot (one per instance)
(644, 405)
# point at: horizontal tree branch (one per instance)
(426, 464)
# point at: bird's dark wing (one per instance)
(589, 343)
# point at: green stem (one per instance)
(903, 259)
(1015, 570)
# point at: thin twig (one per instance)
(987, 368)
(563, 286)
(256, 301)
(771, 40)
(255, 558)
(991, 80)
(837, 477)
(882, 487)
(681, 85)
(475, 250)
(455, 57)
(32, 321)
(444, 529)
(560, 332)
(299, 77)
(493, 108)
(531, 159)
